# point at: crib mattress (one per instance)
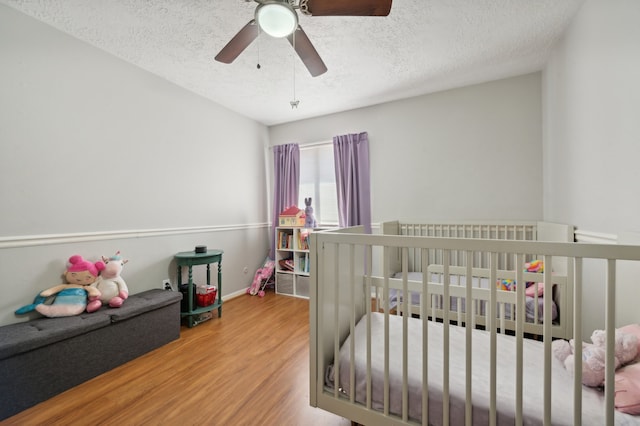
(562, 381)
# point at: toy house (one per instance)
(292, 216)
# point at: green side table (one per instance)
(189, 259)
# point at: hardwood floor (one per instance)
(250, 367)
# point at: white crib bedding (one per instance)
(395, 297)
(562, 381)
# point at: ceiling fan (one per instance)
(278, 18)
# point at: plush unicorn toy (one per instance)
(113, 288)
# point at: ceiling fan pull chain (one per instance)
(259, 32)
(294, 103)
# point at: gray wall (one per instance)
(451, 155)
(75, 121)
(97, 155)
(592, 139)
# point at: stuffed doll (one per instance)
(73, 297)
(593, 355)
(112, 287)
(310, 220)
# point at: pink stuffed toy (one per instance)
(593, 355)
(81, 274)
(71, 298)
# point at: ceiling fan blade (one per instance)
(349, 7)
(238, 43)
(307, 52)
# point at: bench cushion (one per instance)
(143, 302)
(30, 335)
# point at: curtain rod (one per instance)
(310, 145)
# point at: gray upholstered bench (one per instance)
(46, 356)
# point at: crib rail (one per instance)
(508, 231)
(342, 283)
(514, 231)
(496, 231)
(480, 290)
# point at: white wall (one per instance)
(98, 152)
(447, 156)
(591, 103)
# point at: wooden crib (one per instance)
(380, 368)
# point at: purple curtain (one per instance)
(286, 170)
(351, 153)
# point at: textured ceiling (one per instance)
(423, 46)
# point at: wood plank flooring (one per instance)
(250, 367)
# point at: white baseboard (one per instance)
(235, 294)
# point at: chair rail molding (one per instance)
(51, 239)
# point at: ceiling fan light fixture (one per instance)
(276, 18)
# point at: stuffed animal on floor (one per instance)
(112, 287)
(73, 297)
(310, 220)
(593, 355)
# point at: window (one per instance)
(318, 181)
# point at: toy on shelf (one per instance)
(292, 216)
(310, 220)
(113, 288)
(262, 277)
(75, 296)
(286, 265)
